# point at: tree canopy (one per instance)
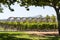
(27, 3)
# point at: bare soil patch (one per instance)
(42, 33)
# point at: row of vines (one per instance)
(29, 26)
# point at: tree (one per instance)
(47, 18)
(53, 18)
(41, 18)
(26, 3)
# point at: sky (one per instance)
(22, 12)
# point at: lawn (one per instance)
(25, 36)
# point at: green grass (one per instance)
(25, 36)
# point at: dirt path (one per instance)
(42, 33)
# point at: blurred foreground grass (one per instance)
(25, 36)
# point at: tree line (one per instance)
(39, 18)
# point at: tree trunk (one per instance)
(58, 18)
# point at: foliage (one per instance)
(53, 18)
(27, 3)
(47, 18)
(29, 26)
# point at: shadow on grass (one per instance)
(52, 36)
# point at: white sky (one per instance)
(22, 12)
